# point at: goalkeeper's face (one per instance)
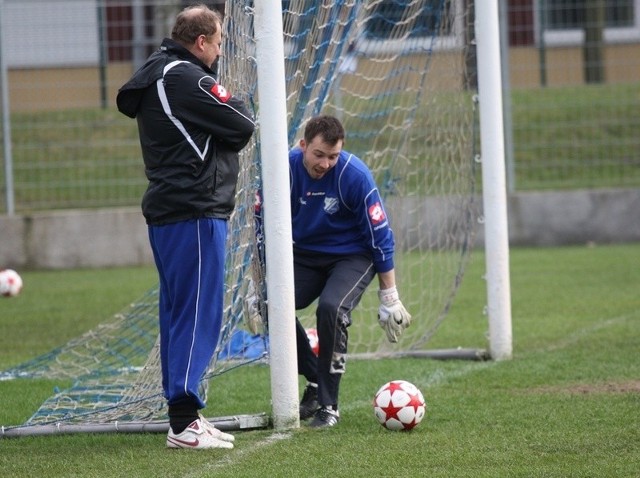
(319, 157)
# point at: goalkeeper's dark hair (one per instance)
(328, 127)
(194, 21)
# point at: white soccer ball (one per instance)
(10, 283)
(399, 405)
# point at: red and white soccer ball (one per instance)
(399, 405)
(312, 335)
(10, 283)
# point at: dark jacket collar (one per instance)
(130, 93)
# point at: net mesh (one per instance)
(395, 72)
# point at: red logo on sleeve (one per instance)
(376, 213)
(220, 92)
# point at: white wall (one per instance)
(49, 33)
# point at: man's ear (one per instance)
(200, 41)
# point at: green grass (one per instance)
(576, 137)
(564, 138)
(76, 158)
(566, 404)
(56, 306)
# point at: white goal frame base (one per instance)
(228, 423)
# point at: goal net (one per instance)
(395, 72)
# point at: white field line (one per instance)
(236, 456)
(579, 334)
(434, 379)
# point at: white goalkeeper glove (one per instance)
(252, 315)
(392, 316)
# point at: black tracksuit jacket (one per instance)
(191, 130)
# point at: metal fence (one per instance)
(571, 75)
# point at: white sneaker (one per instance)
(219, 434)
(197, 436)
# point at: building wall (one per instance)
(565, 66)
(118, 237)
(53, 89)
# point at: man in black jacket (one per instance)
(191, 130)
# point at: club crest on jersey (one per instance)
(330, 205)
(220, 92)
(376, 214)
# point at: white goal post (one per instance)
(270, 52)
(494, 191)
(274, 148)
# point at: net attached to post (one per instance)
(395, 72)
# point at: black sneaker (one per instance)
(324, 418)
(309, 403)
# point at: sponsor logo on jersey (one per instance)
(220, 92)
(376, 214)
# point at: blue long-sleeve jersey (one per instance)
(340, 213)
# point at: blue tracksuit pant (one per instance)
(190, 257)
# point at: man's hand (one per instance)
(252, 316)
(392, 316)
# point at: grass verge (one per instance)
(565, 405)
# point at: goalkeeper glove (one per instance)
(392, 316)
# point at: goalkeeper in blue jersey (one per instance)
(341, 240)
